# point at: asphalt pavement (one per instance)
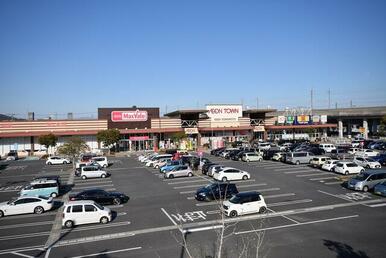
(309, 213)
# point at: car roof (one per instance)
(249, 193)
(40, 181)
(80, 202)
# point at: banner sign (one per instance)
(220, 113)
(323, 119)
(281, 119)
(193, 130)
(315, 119)
(290, 120)
(303, 119)
(129, 116)
(138, 138)
(259, 128)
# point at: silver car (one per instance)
(179, 171)
(367, 180)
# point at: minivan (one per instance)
(366, 181)
(327, 147)
(46, 188)
(85, 212)
(299, 157)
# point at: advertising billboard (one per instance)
(290, 120)
(303, 119)
(323, 119)
(281, 119)
(224, 113)
(129, 116)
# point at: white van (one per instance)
(327, 147)
(84, 212)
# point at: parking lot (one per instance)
(308, 212)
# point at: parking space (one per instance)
(296, 197)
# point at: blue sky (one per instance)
(76, 56)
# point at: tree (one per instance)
(73, 148)
(109, 137)
(382, 127)
(48, 140)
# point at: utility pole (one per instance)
(312, 100)
(329, 98)
(257, 102)
(350, 103)
(336, 105)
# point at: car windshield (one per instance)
(361, 177)
(209, 187)
(370, 160)
(99, 206)
(235, 199)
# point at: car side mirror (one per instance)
(12, 203)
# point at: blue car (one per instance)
(381, 159)
(170, 165)
(380, 189)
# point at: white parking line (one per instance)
(323, 178)
(296, 224)
(300, 171)
(288, 203)
(167, 215)
(253, 185)
(93, 183)
(265, 190)
(333, 183)
(187, 182)
(316, 174)
(27, 224)
(291, 168)
(188, 192)
(100, 226)
(88, 187)
(22, 255)
(108, 252)
(377, 205)
(237, 181)
(278, 195)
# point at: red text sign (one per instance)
(129, 116)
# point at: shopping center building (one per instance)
(143, 128)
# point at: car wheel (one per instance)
(49, 163)
(103, 175)
(38, 210)
(368, 166)
(224, 179)
(64, 162)
(346, 172)
(245, 177)
(247, 160)
(104, 220)
(171, 176)
(365, 188)
(116, 201)
(84, 177)
(297, 162)
(69, 224)
(1, 214)
(233, 214)
(362, 170)
(54, 195)
(262, 209)
(190, 174)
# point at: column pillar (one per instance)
(340, 128)
(366, 128)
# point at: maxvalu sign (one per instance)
(129, 116)
(223, 113)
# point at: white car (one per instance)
(55, 160)
(102, 161)
(278, 156)
(179, 171)
(228, 174)
(366, 162)
(244, 203)
(84, 212)
(366, 153)
(353, 150)
(251, 156)
(92, 172)
(319, 161)
(28, 204)
(214, 169)
(161, 162)
(329, 165)
(347, 168)
(263, 145)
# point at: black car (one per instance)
(214, 151)
(101, 196)
(216, 191)
(206, 166)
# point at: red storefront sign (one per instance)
(138, 138)
(129, 116)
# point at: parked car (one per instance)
(329, 165)
(347, 167)
(216, 191)
(55, 160)
(24, 205)
(244, 203)
(12, 155)
(161, 162)
(327, 147)
(49, 177)
(214, 169)
(263, 145)
(102, 161)
(381, 158)
(367, 180)
(84, 212)
(367, 153)
(92, 172)
(278, 156)
(251, 156)
(179, 171)
(228, 174)
(205, 167)
(45, 188)
(353, 150)
(380, 189)
(340, 153)
(170, 165)
(318, 162)
(299, 157)
(100, 196)
(214, 151)
(366, 162)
